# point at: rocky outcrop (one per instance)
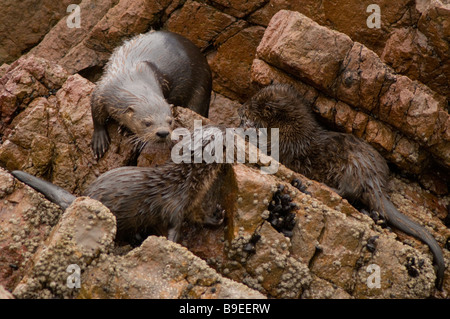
(51, 136)
(84, 232)
(26, 220)
(159, 269)
(318, 246)
(24, 24)
(5, 294)
(418, 27)
(403, 119)
(229, 32)
(48, 262)
(331, 245)
(422, 53)
(327, 255)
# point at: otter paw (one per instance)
(100, 143)
(217, 217)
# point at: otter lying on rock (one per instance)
(143, 79)
(353, 168)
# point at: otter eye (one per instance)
(148, 123)
(170, 122)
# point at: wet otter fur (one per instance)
(147, 199)
(353, 168)
(142, 81)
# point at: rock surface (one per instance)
(86, 230)
(394, 111)
(51, 137)
(159, 269)
(360, 80)
(26, 220)
(5, 294)
(22, 28)
(422, 53)
(328, 247)
(421, 27)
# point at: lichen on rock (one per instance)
(359, 80)
(86, 230)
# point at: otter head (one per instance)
(275, 106)
(281, 106)
(150, 124)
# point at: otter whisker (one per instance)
(134, 140)
(142, 146)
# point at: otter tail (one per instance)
(403, 223)
(52, 192)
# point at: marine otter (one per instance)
(353, 168)
(143, 79)
(147, 199)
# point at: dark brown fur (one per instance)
(342, 161)
(147, 199)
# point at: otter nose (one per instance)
(162, 134)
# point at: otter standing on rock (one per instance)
(342, 161)
(143, 79)
(147, 199)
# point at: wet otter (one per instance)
(143, 79)
(147, 199)
(342, 161)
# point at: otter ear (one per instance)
(173, 110)
(130, 109)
